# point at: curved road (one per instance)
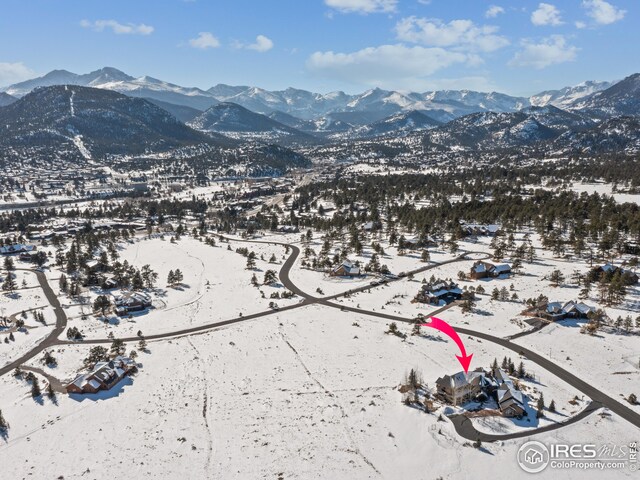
(466, 429)
(599, 397)
(52, 338)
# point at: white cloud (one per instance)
(546, 14)
(262, 44)
(396, 66)
(457, 33)
(14, 72)
(204, 40)
(117, 27)
(363, 6)
(603, 12)
(493, 11)
(550, 51)
(580, 24)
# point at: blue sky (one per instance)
(518, 47)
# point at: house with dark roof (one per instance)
(129, 302)
(558, 311)
(510, 400)
(609, 270)
(17, 248)
(440, 292)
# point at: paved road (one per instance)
(595, 394)
(52, 338)
(599, 397)
(465, 428)
(56, 384)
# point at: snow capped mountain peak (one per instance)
(566, 96)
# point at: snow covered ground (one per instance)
(33, 332)
(217, 286)
(306, 393)
(303, 394)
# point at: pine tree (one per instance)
(9, 284)
(552, 406)
(3, 423)
(521, 371)
(494, 365)
(117, 347)
(556, 278)
(270, 277)
(102, 304)
(178, 277)
(50, 393)
(35, 388)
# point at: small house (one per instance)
(346, 269)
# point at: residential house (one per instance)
(482, 269)
(510, 400)
(480, 229)
(557, 311)
(17, 248)
(103, 376)
(416, 243)
(440, 292)
(131, 302)
(345, 269)
(461, 387)
(631, 278)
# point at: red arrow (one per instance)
(448, 330)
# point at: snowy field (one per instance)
(214, 280)
(303, 394)
(12, 305)
(308, 393)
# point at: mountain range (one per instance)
(81, 123)
(108, 113)
(359, 109)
